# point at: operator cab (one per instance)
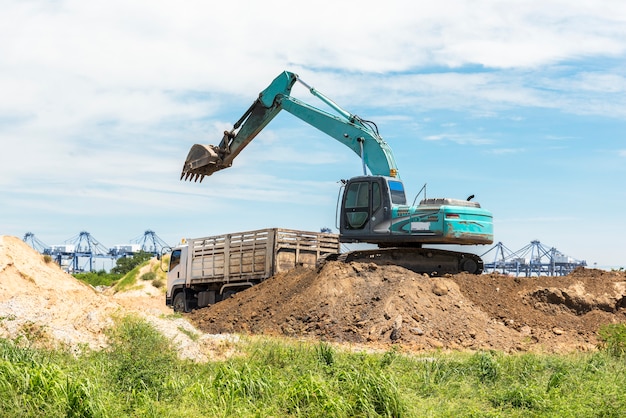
(366, 206)
(374, 210)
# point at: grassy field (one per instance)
(140, 376)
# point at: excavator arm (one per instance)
(373, 207)
(357, 134)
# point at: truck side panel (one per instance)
(255, 255)
(301, 248)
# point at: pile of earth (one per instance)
(368, 304)
(363, 305)
(41, 305)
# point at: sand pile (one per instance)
(43, 305)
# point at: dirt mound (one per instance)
(381, 305)
(41, 304)
(557, 313)
(365, 305)
(40, 301)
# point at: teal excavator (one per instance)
(374, 206)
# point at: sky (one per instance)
(520, 102)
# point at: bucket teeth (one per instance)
(194, 176)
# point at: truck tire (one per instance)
(228, 294)
(180, 303)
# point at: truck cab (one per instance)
(176, 277)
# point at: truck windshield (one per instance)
(397, 192)
(174, 259)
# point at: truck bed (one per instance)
(253, 256)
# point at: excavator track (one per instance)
(429, 261)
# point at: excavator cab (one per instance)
(374, 210)
(366, 208)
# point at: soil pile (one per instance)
(40, 301)
(381, 305)
(364, 305)
(42, 305)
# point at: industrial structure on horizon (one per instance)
(535, 259)
(81, 252)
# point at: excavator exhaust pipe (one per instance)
(202, 160)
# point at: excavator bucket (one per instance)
(202, 160)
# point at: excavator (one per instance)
(374, 207)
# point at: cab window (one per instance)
(357, 205)
(376, 197)
(358, 196)
(174, 259)
(398, 197)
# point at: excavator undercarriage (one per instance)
(433, 262)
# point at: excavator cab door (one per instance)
(357, 205)
(363, 207)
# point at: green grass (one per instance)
(98, 278)
(613, 339)
(140, 376)
(129, 279)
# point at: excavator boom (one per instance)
(357, 134)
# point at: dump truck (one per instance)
(203, 271)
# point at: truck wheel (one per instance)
(179, 304)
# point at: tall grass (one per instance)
(613, 339)
(139, 375)
(36, 384)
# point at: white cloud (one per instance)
(101, 100)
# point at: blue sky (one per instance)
(522, 103)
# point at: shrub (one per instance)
(98, 278)
(325, 354)
(613, 339)
(33, 386)
(242, 381)
(128, 280)
(484, 366)
(126, 264)
(148, 276)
